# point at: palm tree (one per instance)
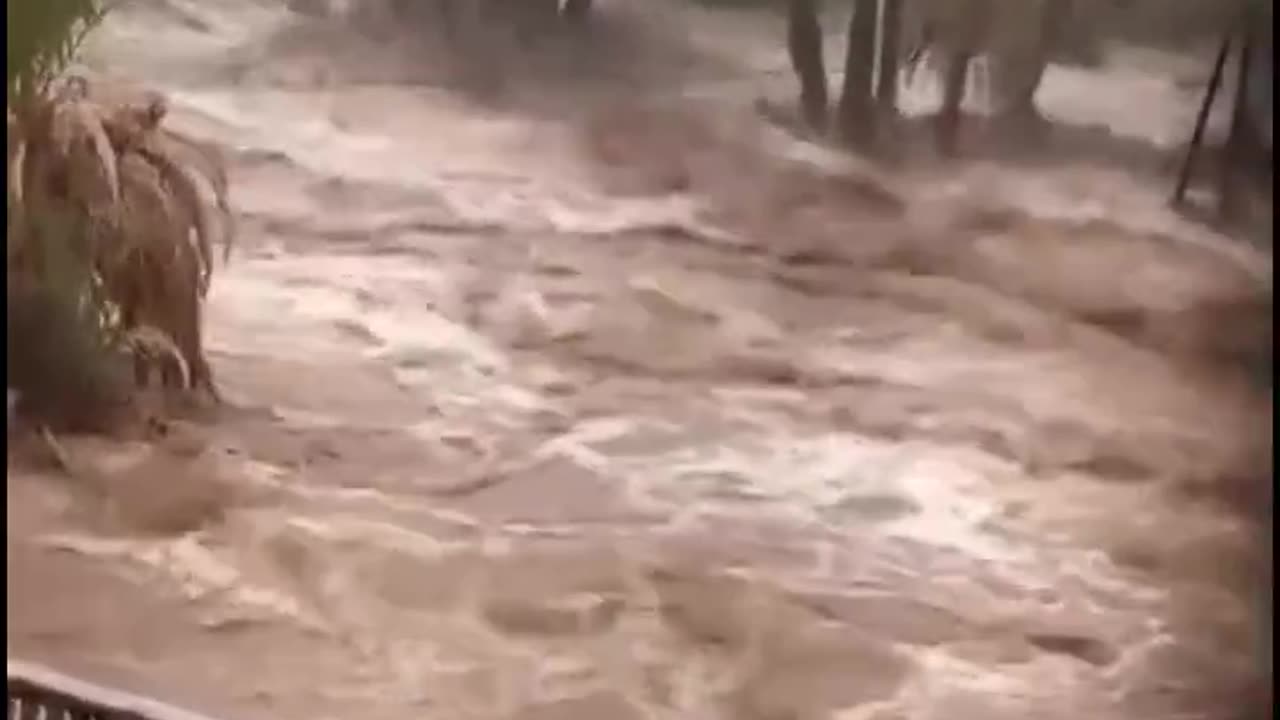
(112, 219)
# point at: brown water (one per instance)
(603, 398)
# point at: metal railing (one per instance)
(38, 693)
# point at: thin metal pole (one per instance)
(1202, 119)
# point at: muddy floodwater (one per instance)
(562, 384)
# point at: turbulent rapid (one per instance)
(597, 395)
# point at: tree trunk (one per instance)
(577, 10)
(953, 86)
(1054, 15)
(804, 41)
(529, 17)
(855, 114)
(1202, 120)
(890, 52)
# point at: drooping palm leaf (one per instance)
(136, 209)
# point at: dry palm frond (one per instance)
(17, 161)
(150, 219)
(58, 453)
(154, 347)
(150, 205)
(207, 162)
(77, 126)
(180, 185)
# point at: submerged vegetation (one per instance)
(113, 222)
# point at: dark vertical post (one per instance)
(576, 10)
(1054, 15)
(855, 118)
(953, 87)
(1202, 119)
(890, 42)
(804, 43)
